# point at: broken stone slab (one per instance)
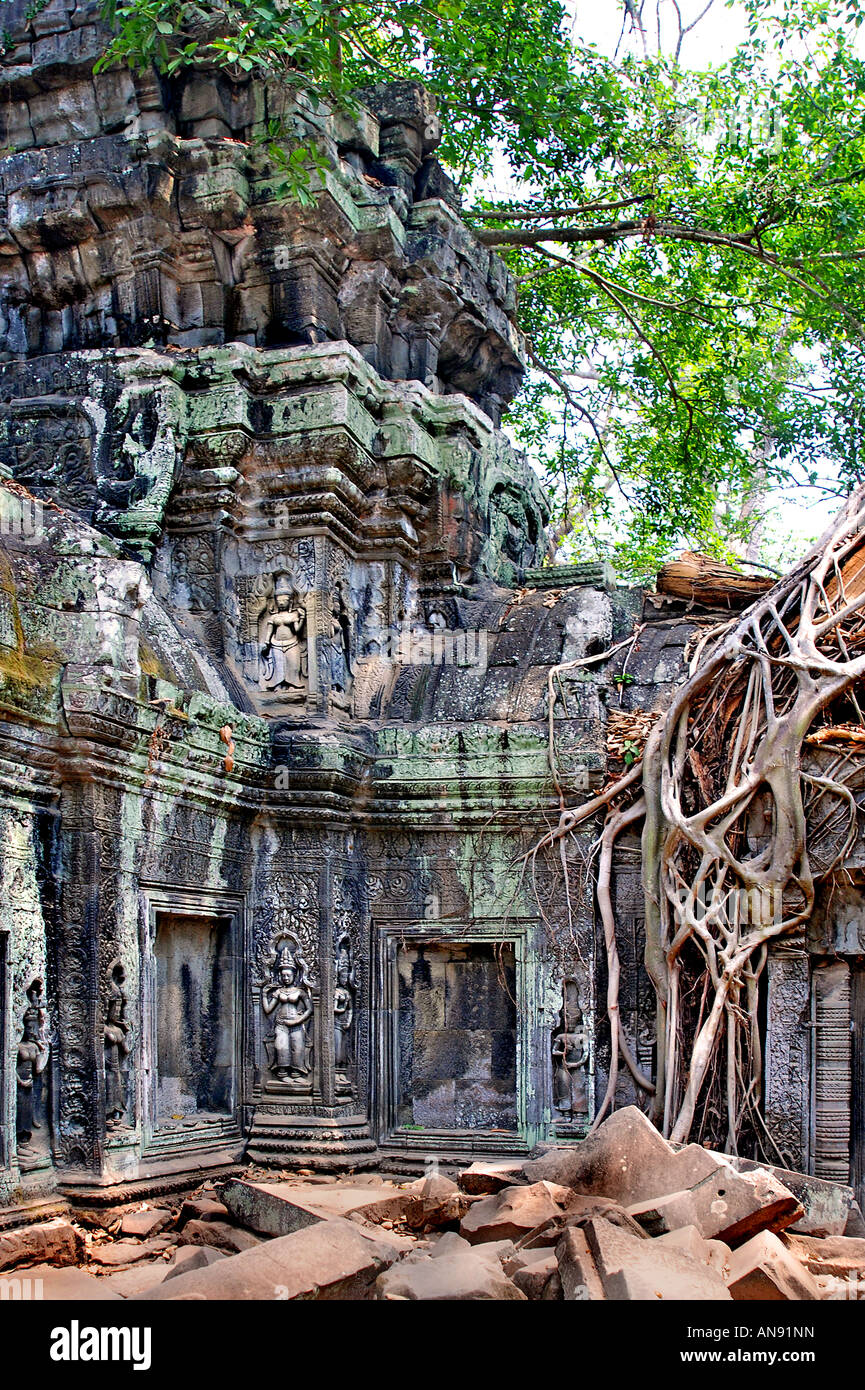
(532, 1279)
(514, 1212)
(624, 1155)
(854, 1227)
(764, 1269)
(626, 1159)
(689, 1241)
(49, 1284)
(449, 1244)
(433, 1188)
(662, 1215)
(631, 1269)
(485, 1179)
(519, 1258)
(577, 1211)
(50, 1242)
(581, 1208)
(448, 1276)
(190, 1257)
(201, 1209)
(219, 1234)
(843, 1256)
(120, 1252)
(144, 1223)
(495, 1250)
(278, 1209)
(437, 1202)
(726, 1205)
(828, 1208)
(386, 1234)
(578, 1272)
(331, 1260)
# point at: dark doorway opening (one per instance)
(195, 1017)
(457, 1036)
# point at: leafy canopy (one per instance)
(688, 243)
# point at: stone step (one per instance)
(318, 1141)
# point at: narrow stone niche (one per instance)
(457, 1036)
(195, 1019)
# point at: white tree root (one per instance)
(737, 834)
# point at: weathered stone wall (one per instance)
(138, 210)
(275, 652)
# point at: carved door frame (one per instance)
(387, 937)
(160, 901)
(831, 1072)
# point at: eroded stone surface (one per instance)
(332, 1260)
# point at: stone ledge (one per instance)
(597, 575)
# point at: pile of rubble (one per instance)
(623, 1215)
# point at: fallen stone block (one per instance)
(219, 1234)
(201, 1209)
(581, 1208)
(688, 1241)
(828, 1208)
(485, 1179)
(449, 1244)
(764, 1269)
(119, 1253)
(733, 1206)
(839, 1255)
(157, 1244)
(726, 1205)
(578, 1272)
(518, 1259)
(855, 1224)
(331, 1260)
(627, 1160)
(396, 1240)
(533, 1278)
(514, 1212)
(661, 1215)
(617, 1161)
(50, 1242)
(495, 1250)
(497, 1253)
(144, 1223)
(48, 1284)
(434, 1188)
(577, 1211)
(436, 1202)
(190, 1257)
(278, 1209)
(451, 1275)
(634, 1269)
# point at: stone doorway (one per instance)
(453, 1042)
(194, 1044)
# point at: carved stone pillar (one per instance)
(831, 1069)
(81, 1123)
(786, 1098)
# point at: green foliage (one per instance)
(688, 245)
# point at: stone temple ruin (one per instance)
(277, 653)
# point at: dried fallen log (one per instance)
(704, 580)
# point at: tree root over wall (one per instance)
(747, 789)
